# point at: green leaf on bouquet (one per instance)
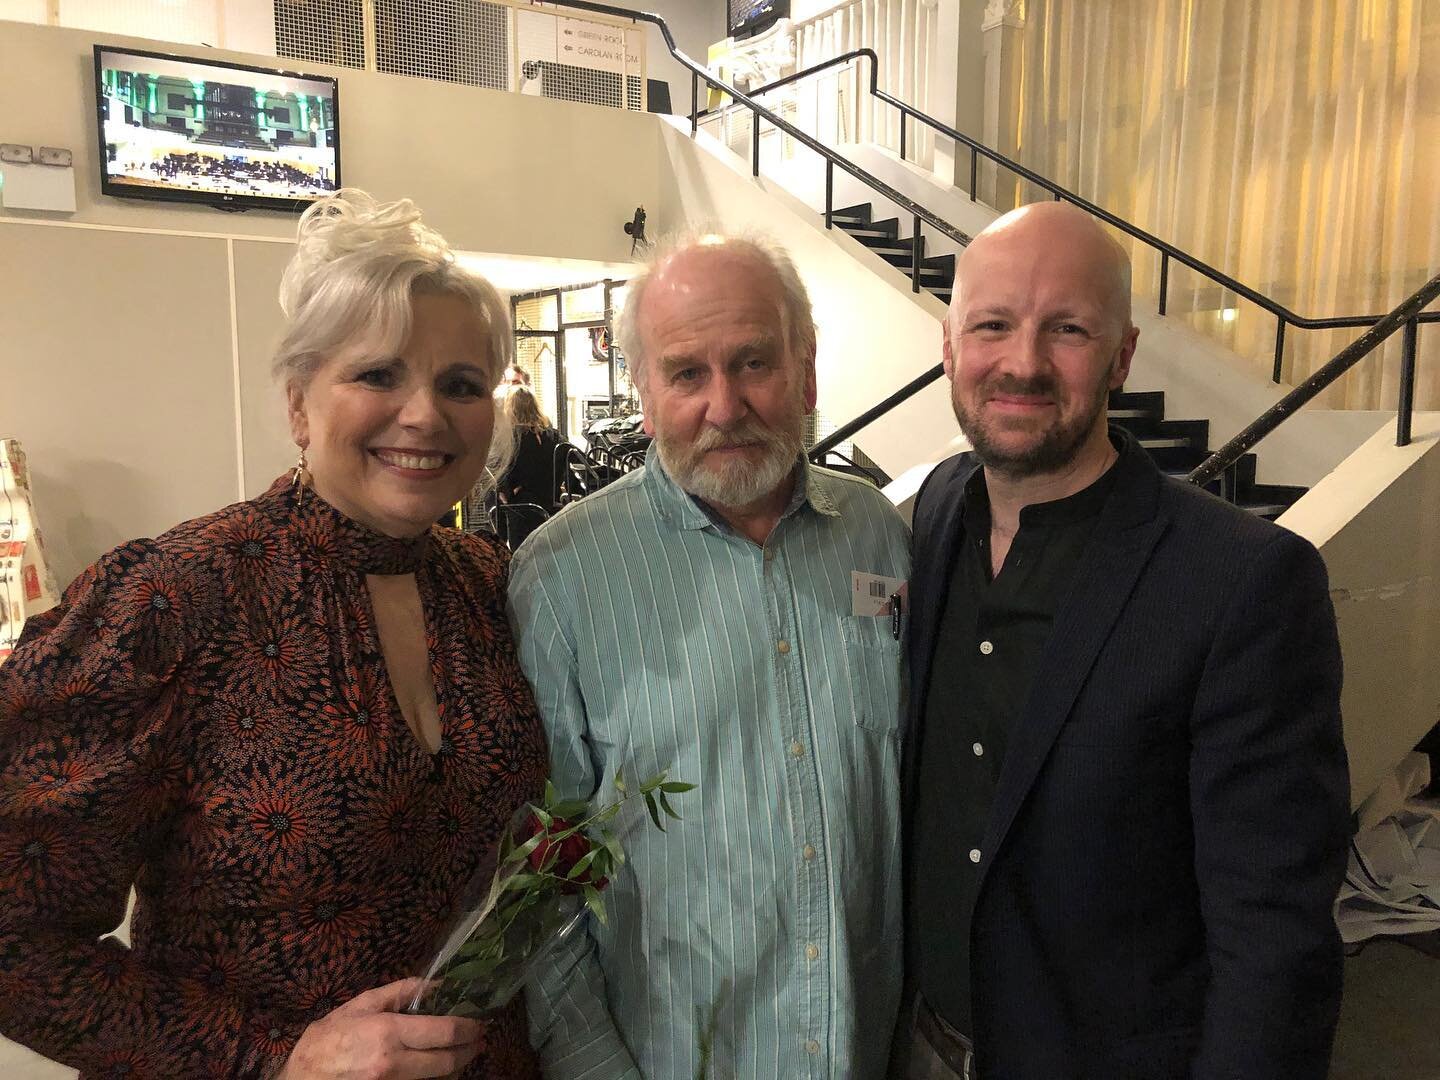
(583, 863)
(675, 787)
(523, 851)
(467, 1008)
(570, 810)
(523, 881)
(543, 815)
(550, 794)
(612, 845)
(595, 904)
(665, 805)
(620, 782)
(654, 782)
(654, 811)
(608, 814)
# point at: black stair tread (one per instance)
(904, 262)
(1138, 399)
(1269, 511)
(858, 212)
(1286, 493)
(888, 229)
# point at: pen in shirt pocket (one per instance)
(895, 610)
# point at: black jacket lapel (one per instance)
(1124, 537)
(937, 517)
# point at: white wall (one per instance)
(696, 24)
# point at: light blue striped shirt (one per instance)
(657, 638)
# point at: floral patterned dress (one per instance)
(207, 716)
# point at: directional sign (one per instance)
(596, 46)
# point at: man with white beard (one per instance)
(724, 613)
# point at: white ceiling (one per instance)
(515, 273)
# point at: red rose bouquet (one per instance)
(524, 904)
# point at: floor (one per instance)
(1390, 1018)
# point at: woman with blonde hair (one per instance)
(295, 726)
(531, 479)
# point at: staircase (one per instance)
(1177, 446)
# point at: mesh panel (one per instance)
(462, 41)
(537, 313)
(574, 59)
(324, 31)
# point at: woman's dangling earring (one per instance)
(300, 476)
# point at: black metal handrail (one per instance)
(833, 160)
(879, 409)
(1406, 316)
(1409, 314)
(1167, 250)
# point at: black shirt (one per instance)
(531, 475)
(991, 637)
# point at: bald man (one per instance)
(1125, 789)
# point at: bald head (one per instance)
(1056, 239)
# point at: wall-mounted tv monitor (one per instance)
(177, 128)
(749, 17)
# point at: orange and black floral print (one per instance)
(207, 717)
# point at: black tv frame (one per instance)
(218, 199)
(758, 21)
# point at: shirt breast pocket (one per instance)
(872, 668)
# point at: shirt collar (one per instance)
(678, 507)
(328, 533)
(1083, 504)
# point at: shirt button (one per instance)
(986, 648)
(812, 952)
(975, 854)
(797, 749)
(812, 1047)
(979, 750)
(808, 851)
(783, 646)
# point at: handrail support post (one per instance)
(1405, 407)
(829, 193)
(1278, 369)
(1164, 279)
(917, 253)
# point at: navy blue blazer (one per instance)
(1170, 826)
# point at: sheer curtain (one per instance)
(1293, 144)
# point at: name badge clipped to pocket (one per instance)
(873, 595)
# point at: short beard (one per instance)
(737, 483)
(1056, 447)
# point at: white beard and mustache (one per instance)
(739, 482)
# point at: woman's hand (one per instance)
(368, 1039)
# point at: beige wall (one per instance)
(1375, 520)
(138, 392)
(115, 376)
(493, 171)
